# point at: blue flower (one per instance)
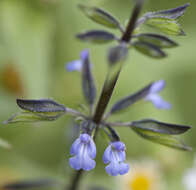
(83, 151)
(77, 64)
(154, 97)
(115, 155)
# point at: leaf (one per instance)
(96, 36)
(88, 84)
(157, 40)
(160, 127)
(30, 117)
(167, 26)
(163, 139)
(29, 184)
(5, 144)
(100, 16)
(170, 13)
(41, 106)
(149, 49)
(129, 100)
(117, 54)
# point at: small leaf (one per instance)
(5, 144)
(167, 26)
(129, 100)
(159, 127)
(170, 13)
(43, 105)
(88, 84)
(30, 117)
(96, 36)
(100, 16)
(163, 139)
(117, 54)
(157, 40)
(149, 49)
(29, 184)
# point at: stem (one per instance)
(76, 179)
(109, 86)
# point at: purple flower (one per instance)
(155, 98)
(83, 151)
(115, 156)
(77, 64)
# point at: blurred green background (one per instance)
(37, 37)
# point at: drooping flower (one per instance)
(83, 151)
(77, 64)
(115, 156)
(190, 178)
(155, 98)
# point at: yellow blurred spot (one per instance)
(141, 182)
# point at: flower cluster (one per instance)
(83, 150)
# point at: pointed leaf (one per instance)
(42, 105)
(149, 49)
(100, 16)
(129, 100)
(162, 139)
(167, 26)
(31, 117)
(160, 127)
(157, 40)
(29, 184)
(117, 54)
(96, 36)
(170, 13)
(88, 84)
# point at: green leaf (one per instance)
(160, 127)
(31, 117)
(156, 39)
(100, 16)
(163, 139)
(96, 36)
(165, 25)
(149, 49)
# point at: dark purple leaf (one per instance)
(160, 127)
(170, 13)
(88, 84)
(129, 100)
(42, 105)
(96, 36)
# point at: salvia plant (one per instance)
(83, 149)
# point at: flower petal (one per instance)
(121, 156)
(75, 147)
(74, 66)
(158, 101)
(92, 149)
(88, 163)
(157, 86)
(75, 162)
(123, 168)
(112, 169)
(107, 155)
